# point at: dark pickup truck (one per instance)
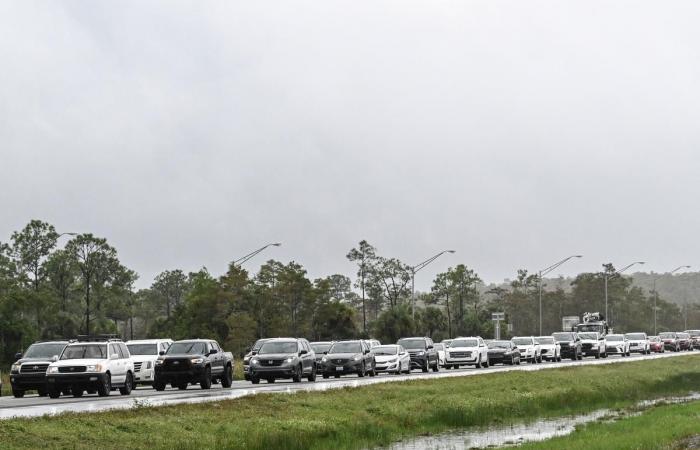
(193, 361)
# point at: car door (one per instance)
(216, 360)
(117, 369)
(483, 351)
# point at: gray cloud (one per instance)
(189, 133)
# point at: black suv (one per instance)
(423, 354)
(196, 361)
(29, 371)
(283, 358)
(570, 345)
(348, 357)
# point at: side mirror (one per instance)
(325, 353)
(161, 353)
(303, 352)
(54, 358)
(253, 353)
(113, 356)
(18, 356)
(213, 351)
(430, 347)
(366, 352)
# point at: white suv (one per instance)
(549, 348)
(144, 354)
(593, 344)
(91, 364)
(617, 344)
(639, 342)
(465, 351)
(530, 350)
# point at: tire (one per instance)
(518, 363)
(574, 357)
(297, 375)
(158, 386)
(128, 384)
(205, 381)
(104, 389)
(478, 363)
(362, 372)
(270, 380)
(77, 393)
(436, 367)
(43, 392)
(17, 393)
(486, 364)
(312, 376)
(337, 376)
(539, 359)
(598, 355)
(182, 386)
(255, 380)
(325, 376)
(426, 367)
(54, 393)
(227, 379)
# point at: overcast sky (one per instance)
(516, 133)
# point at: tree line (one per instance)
(48, 291)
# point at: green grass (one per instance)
(362, 417)
(662, 427)
(6, 388)
(238, 369)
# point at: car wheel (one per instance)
(486, 364)
(297, 375)
(478, 363)
(227, 379)
(128, 384)
(270, 380)
(17, 393)
(518, 363)
(426, 367)
(337, 376)
(54, 393)
(255, 380)
(312, 376)
(361, 371)
(436, 367)
(182, 386)
(325, 376)
(105, 387)
(42, 392)
(205, 381)
(598, 355)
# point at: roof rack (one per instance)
(98, 338)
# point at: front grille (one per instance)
(177, 364)
(339, 361)
(71, 369)
(137, 366)
(587, 346)
(544, 350)
(271, 362)
(460, 354)
(33, 368)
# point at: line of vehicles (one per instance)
(103, 364)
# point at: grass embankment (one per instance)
(362, 417)
(662, 427)
(6, 388)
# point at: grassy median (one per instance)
(362, 417)
(662, 427)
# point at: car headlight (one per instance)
(289, 360)
(94, 368)
(159, 362)
(254, 362)
(197, 360)
(324, 359)
(421, 353)
(148, 365)
(52, 369)
(15, 367)
(357, 357)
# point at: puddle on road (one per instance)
(527, 432)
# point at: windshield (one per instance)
(563, 337)
(187, 348)
(612, 338)
(143, 349)
(590, 327)
(346, 347)
(693, 333)
(386, 350)
(654, 339)
(85, 351)
(413, 344)
(269, 348)
(636, 336)
(522, 341)
(683, 336)
(320, 348)
(499, 344)
(464, 343)
(545, 340)
(593, 336)
(667, 335)
(259, 343)
(44, 350)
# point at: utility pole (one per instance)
(607, 277)
(656, 294)
(544, 272)
(415, 269)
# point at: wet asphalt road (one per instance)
(33, 405)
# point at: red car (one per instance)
(684, 341)
(656, 345)
(694, 338)
(670, 340)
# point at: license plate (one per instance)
(338, 369)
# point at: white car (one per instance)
(391, 359)
(639, 342)
(593, 344)
(550, 349)
(144, 354)
(530, 350)
(467, 351)
(617, 344)
(92, 364)
(440, 349)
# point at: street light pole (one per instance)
(544, 272)
(245, 258)
(656, 294)
(415, 269)
(607, 277)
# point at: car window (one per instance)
(113, 350)
(124, 351)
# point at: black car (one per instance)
(283, 358)
(320, 349)
(348, 357)
(503, 352)
(250, 352)
(570, 345)
(196, 361)
(29, 371)
(422, 351)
